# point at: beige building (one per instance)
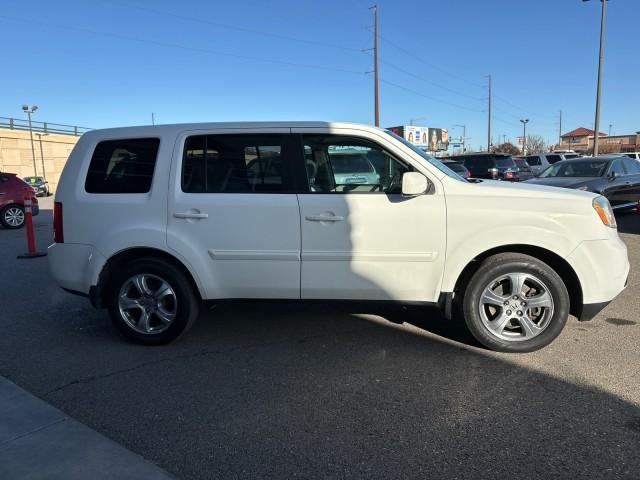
(51, 152)
(581, 140)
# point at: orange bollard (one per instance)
(28, 220)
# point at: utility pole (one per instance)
(560, 130)
(610, 125)
(153, 119)
(375, 66)
(489, 119)
(596, 134)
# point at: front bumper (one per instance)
(602, 266)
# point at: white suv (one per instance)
(150, 221)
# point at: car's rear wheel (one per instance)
(12, 216)
(515, 303)
(151, 301)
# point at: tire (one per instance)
(513, 325)
(169, 313)
(12, 216)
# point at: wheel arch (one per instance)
(555, 261)
(98, 292)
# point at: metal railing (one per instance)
(46, 127)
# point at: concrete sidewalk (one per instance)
(38, 441)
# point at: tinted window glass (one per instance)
(337, 164)
(521, 163)
(616, 167)
(553, 159)
(505, 162)
(534, 160)
(234, 164)
(632, 166)
(122, 166)
(478, 165)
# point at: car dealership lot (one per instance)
(316, 391)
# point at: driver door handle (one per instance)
(324, 218)
(191, 215)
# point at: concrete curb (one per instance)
(39, 441)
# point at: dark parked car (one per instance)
(614, 176)
(493, 166)
(39, 184)
(524, 170)
(457, 167)
(12, 194)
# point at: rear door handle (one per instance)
(324, 218)
(191, 215)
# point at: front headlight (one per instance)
(602, 206)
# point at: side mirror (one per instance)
(414, 183)
(613, 175)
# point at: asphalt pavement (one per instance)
(320, 391)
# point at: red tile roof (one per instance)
(582, 132)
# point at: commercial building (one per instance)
(581, 140)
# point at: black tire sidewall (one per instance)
(4, 210)
(490, 271)
(186, 300)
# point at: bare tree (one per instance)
(507, 147)
(535, 144)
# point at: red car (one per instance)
(12, 194)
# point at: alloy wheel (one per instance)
(516, 307)
(147, 303)
(14, 216)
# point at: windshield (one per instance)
(32, 179)
(432, 160)
(584, 168)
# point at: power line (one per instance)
(429, 64)
(428, 97)
(186, 47)
(422, 79)
(232, 27)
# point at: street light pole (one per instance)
(596, 135)
(40, 135)
(524, 135)
(29, 111)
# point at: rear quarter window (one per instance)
(122, 166)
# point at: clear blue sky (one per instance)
(101, 63)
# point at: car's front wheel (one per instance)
(12, 216)
(151, 301)
(515, 303)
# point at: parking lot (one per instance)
(317, 391)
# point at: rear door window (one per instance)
(553, 159)
(235, 163)
(122, 166)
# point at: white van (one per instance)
(150, 221)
